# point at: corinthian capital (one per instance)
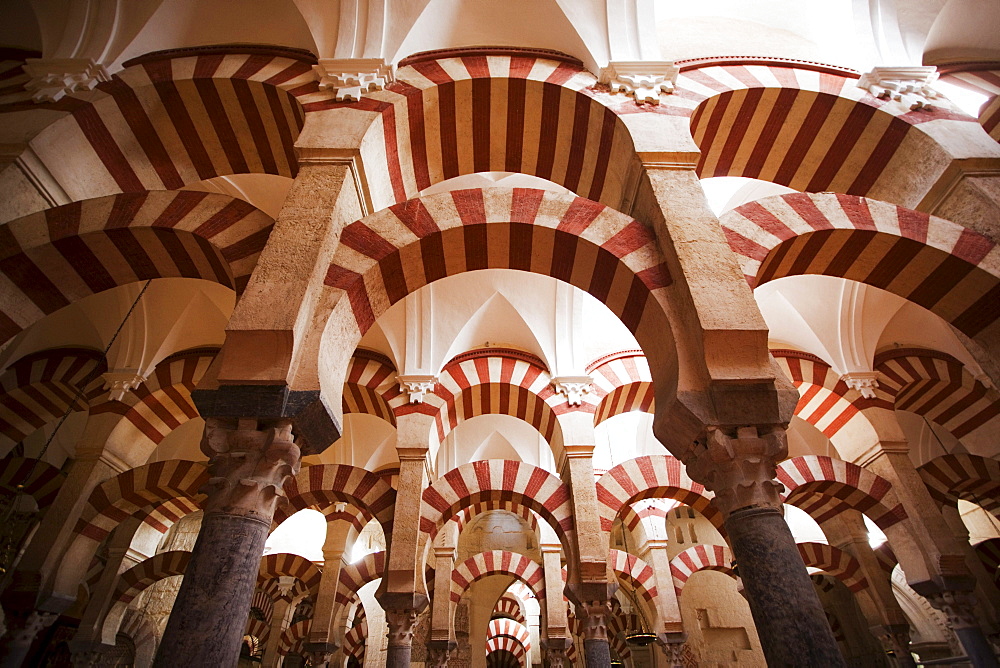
(402, 624)
(740, 467)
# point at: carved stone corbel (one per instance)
(351, 78)
(643, 79)
(907, 86)
(54, 78)
(863, 382)
(573, 388)
(416, 386)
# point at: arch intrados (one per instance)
(478, 399)
(503, 561)
(321, 485)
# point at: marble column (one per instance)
(959, 607)
(250, 464)
(402, 623)
(594, 618)
(739, 466)
(321, 645)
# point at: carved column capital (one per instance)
(740, 467)
(320, 653)
(555, 651)
(959, 607)
(250, 462)
(673, 649)
(439, 652)
(594, 619)
(402, 624)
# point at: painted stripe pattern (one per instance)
(963, 476)
(356, 575)
(163, 402)
(651, 476)
(371, 382)
(504, 480)
(322, 486)
(823, 487)
(637, 573)
(622, 383)
(834, 561)
(37, 478)
(986, 82)
(509, 627)
(504, 652)
(136, 491)
(811, 131)
(132, 582)
(946, 268)
(387, 255)
(497, 562)
(293, 638)
(354, 643)
(939, 387)
(454, 116)
(988, 552)
(51, 259)
(39, 387)
(469, 513)
(509, 607)
(698, 558)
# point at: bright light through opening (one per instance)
(875, 535)
(303, 534)
(968, 101)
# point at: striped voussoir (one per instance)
(823, 487)
(356, 575)
(651, 476)
(354, 642)
(825, 400)
(935, 263)
(163, 515)
(618, 624)
(162, 402)
(962, 476)
(371, 383)
(808, 130)
(622, 383)
(825, 584)
(323, 486)
(699, 558)
(36, 478)
(510, 607)
(497, 562)
(273, 566)
(493, 381)
(264, 606)
(170, 122)
(137, 626)
(504, 480)
(389, 254)
(139, 491)
(452, 116)
(834, 561)
(651, 516)
(985, 82)
(887, 559)
(988, 552)
(637, 573)
(504, 643)
(39, 387)
(53, 258)
(469, 513)
(508, 627)
(294, 637)
(939, 387)
(147, 572)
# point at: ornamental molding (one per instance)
(645, 80)
(351, 78)
(573, 387)
(55, 78)
(910, 87)
(122, 381)
(863, 382)
(416, 386)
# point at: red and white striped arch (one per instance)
(39, 387)
(510, 607)
(824, 487)
(137, 491)
(987, 82)
(389, 254)
(492, 381)
(34, 477)
(834, 561)
(163, 515)
(162, 402)
(322, 486)
(265, 606)
(356, 575)
(170, 119)
(806, 129)
(497, 562)
(988, 552)
(637, 573)
(354, 642)
(505, 652)
(504, 480)
(699, 558)
(963, 476)
(648, 477)
(944, 267)
(370, 385)
(446, 117)
(293, 638)
(939, 387)
(469, 513)
(53, 258)
(147, 572)
(509, 627)
(622, 383)
(280, 564)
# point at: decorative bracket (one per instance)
(643, 79)
(573, 387)
(417, 386)
(55, 78)
(351, 78)
(122, 381)
(863, 382)
(909, 86)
